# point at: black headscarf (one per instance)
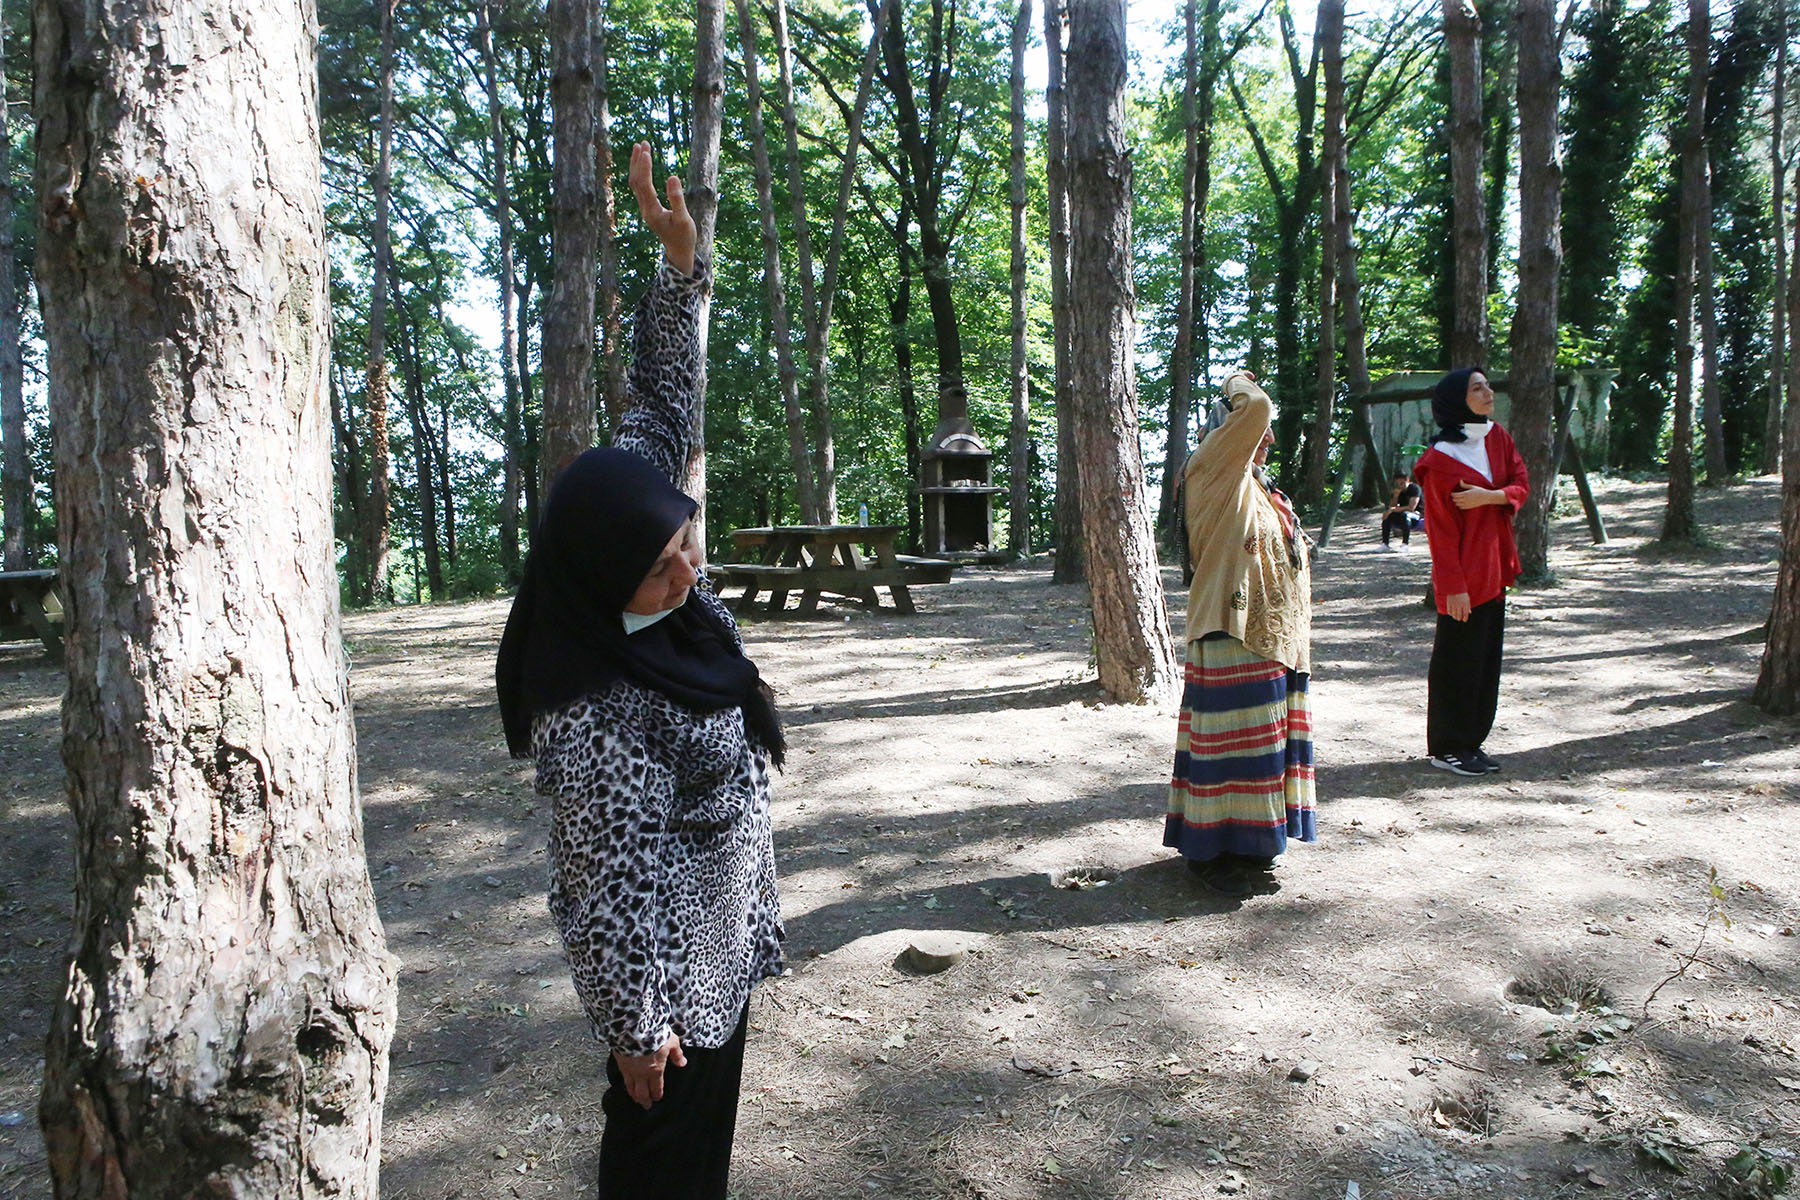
(608, 518)
(1450, 405)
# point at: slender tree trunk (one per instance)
(1131, 624)
(375, 379)
(1181, 364)
(702, 190)
(1770, 461)
(818, 398)
(1533, 424)
(1679, 521)
(16, 491)
(1778, 682)
(899, 329)
(1071, 548)
(1330, 40)
(568, 338)
(528, 444)
(513, 431)
(1706, 311)
(612, 357)
(1469, 332)
(1019, 435)
(1371, 488)
(227, 1001)
(347, 476)
(805, 486)
(424, 446)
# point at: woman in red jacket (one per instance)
(1474, 482)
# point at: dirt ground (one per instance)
(1459, 968)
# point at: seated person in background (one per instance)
(1402, 511)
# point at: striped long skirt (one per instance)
(1243, 755)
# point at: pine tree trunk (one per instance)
(16, 551)
(1181, 356)
(1770, 461)
(1712, 420)
(1469, 332)
(612, 357)
(1778, 682)
(1131, 625)
(702, 191)
(1679, 521)
(424, 446)
(899, 326)
(567, 342)
(512, 418)
(805, 485)
(1071, 548)
(228, 1001)
(1330, 41)
(375, 377)
(1533, 423)
(1371, 488)
(1018, 440)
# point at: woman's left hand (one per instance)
(1466, 497)
(643, 1073)
(673, 227)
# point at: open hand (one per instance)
(673, 227)
(644, 1072)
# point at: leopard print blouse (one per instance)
(662, 857)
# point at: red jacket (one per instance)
(1472, 550)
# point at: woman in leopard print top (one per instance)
(623, 676)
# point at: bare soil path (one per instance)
(1133, 1037)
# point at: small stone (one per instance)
(490, 881)
(930, 953)
(1303, 1071)
(500, 1152)
(1340, 1127)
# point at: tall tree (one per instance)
(612, 342)
(805, 485)
(512, 424)
(1329, 37)
(1679, 521)
(567, 342)
(375, 367)
(16, 552)
(1772, 418)
(1777, 689)
(1469, 332)
(1018, 537)
(1131, 627)
(1071, 549)
(228, 1001)
(702, 193)
(1540, 260)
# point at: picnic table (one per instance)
(31, 607)
(843, 560)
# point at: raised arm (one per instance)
(1233, 444)
(664, 380)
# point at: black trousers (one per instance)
(1465, 679)
(680, 1147)
(1396, 522)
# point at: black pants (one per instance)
(1465, 679)
(680, 1147)
(1396, 522)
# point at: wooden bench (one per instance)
(31, 608)
(818, 559)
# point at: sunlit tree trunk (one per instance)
(1071, 550)
(568, 338)
(1778, 682)
(1330, 40)
(1181, 355)
(1770, 461)
(1712, 419)
(1533, 409)
(1679, 521)
(227, 1002)
(512, 416)
(375, 370)
(702, 191)
(1469, 331)
(1131, 626)
(612, 357)
(16, 552)
(1019, 436)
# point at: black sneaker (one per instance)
(1484, 762)
(1458, 764)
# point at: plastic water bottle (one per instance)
(862, 514)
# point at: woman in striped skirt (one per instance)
(1243, 781)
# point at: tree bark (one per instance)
(512, 418)
(1330, 40)
(1019, 434)
(612, 358)
(228, 1000)
(375, 376)
(1469, 331)
(1181, 356)
(17, 553)
(1777, 689)
(424, 445)
(1131, 625)
(1071, 548)
(702, 191)
(1533, 424)
(899, 326)
(1770, 461)
(1679, 521)
(567, 342)
(1372, 488)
